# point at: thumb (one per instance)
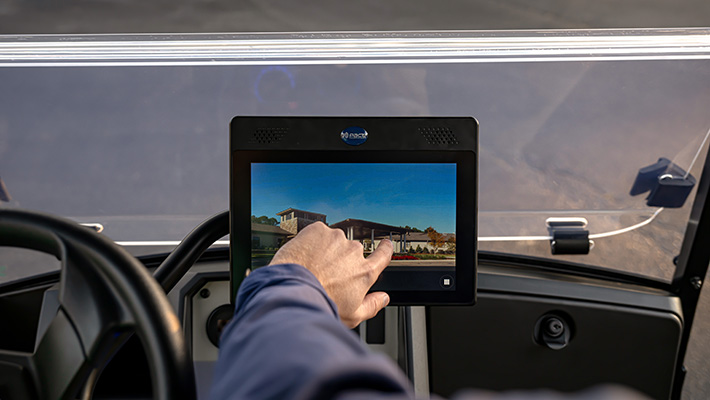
(371, 305)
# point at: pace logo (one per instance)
(354, 135)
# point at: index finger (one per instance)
(380, 258)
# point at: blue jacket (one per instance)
(286, 342)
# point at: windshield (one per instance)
(132, 133)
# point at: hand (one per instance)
(340, 266)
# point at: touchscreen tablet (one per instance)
(410, 180)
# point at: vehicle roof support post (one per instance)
(372, 238)
(692, 266)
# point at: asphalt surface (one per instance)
(119, 16)
(534, 161)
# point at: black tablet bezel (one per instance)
(304, 146)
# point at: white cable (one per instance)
(594, 236)
(161, 243)
(512, 238)
(628, 228)
(697, 153)
(480, 239)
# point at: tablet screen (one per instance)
(410, 180)
(411, 204)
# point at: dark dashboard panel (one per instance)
(493, 345)
(22, 308)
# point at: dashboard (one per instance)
(626, 331)
(493, 345)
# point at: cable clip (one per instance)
(569, 235)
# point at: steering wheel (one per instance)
(105, 294)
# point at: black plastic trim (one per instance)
(692, 267)
(190, 249)
(187, 292)
(570, 268)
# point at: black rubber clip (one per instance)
(569, 236)
(669, 184)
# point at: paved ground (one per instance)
(124, 16)
(86, 16)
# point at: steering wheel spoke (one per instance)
(16, 379)
(59, 360)
(105, 295)
(90, 304)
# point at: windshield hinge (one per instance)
(669, 185)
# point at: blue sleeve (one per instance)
(287, 342)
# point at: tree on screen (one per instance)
(411, 228)
(436, 239)
(451, 244)
(264, 220)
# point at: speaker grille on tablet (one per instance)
(268, 135)
(438, 135)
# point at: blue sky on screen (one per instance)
(418, 195)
